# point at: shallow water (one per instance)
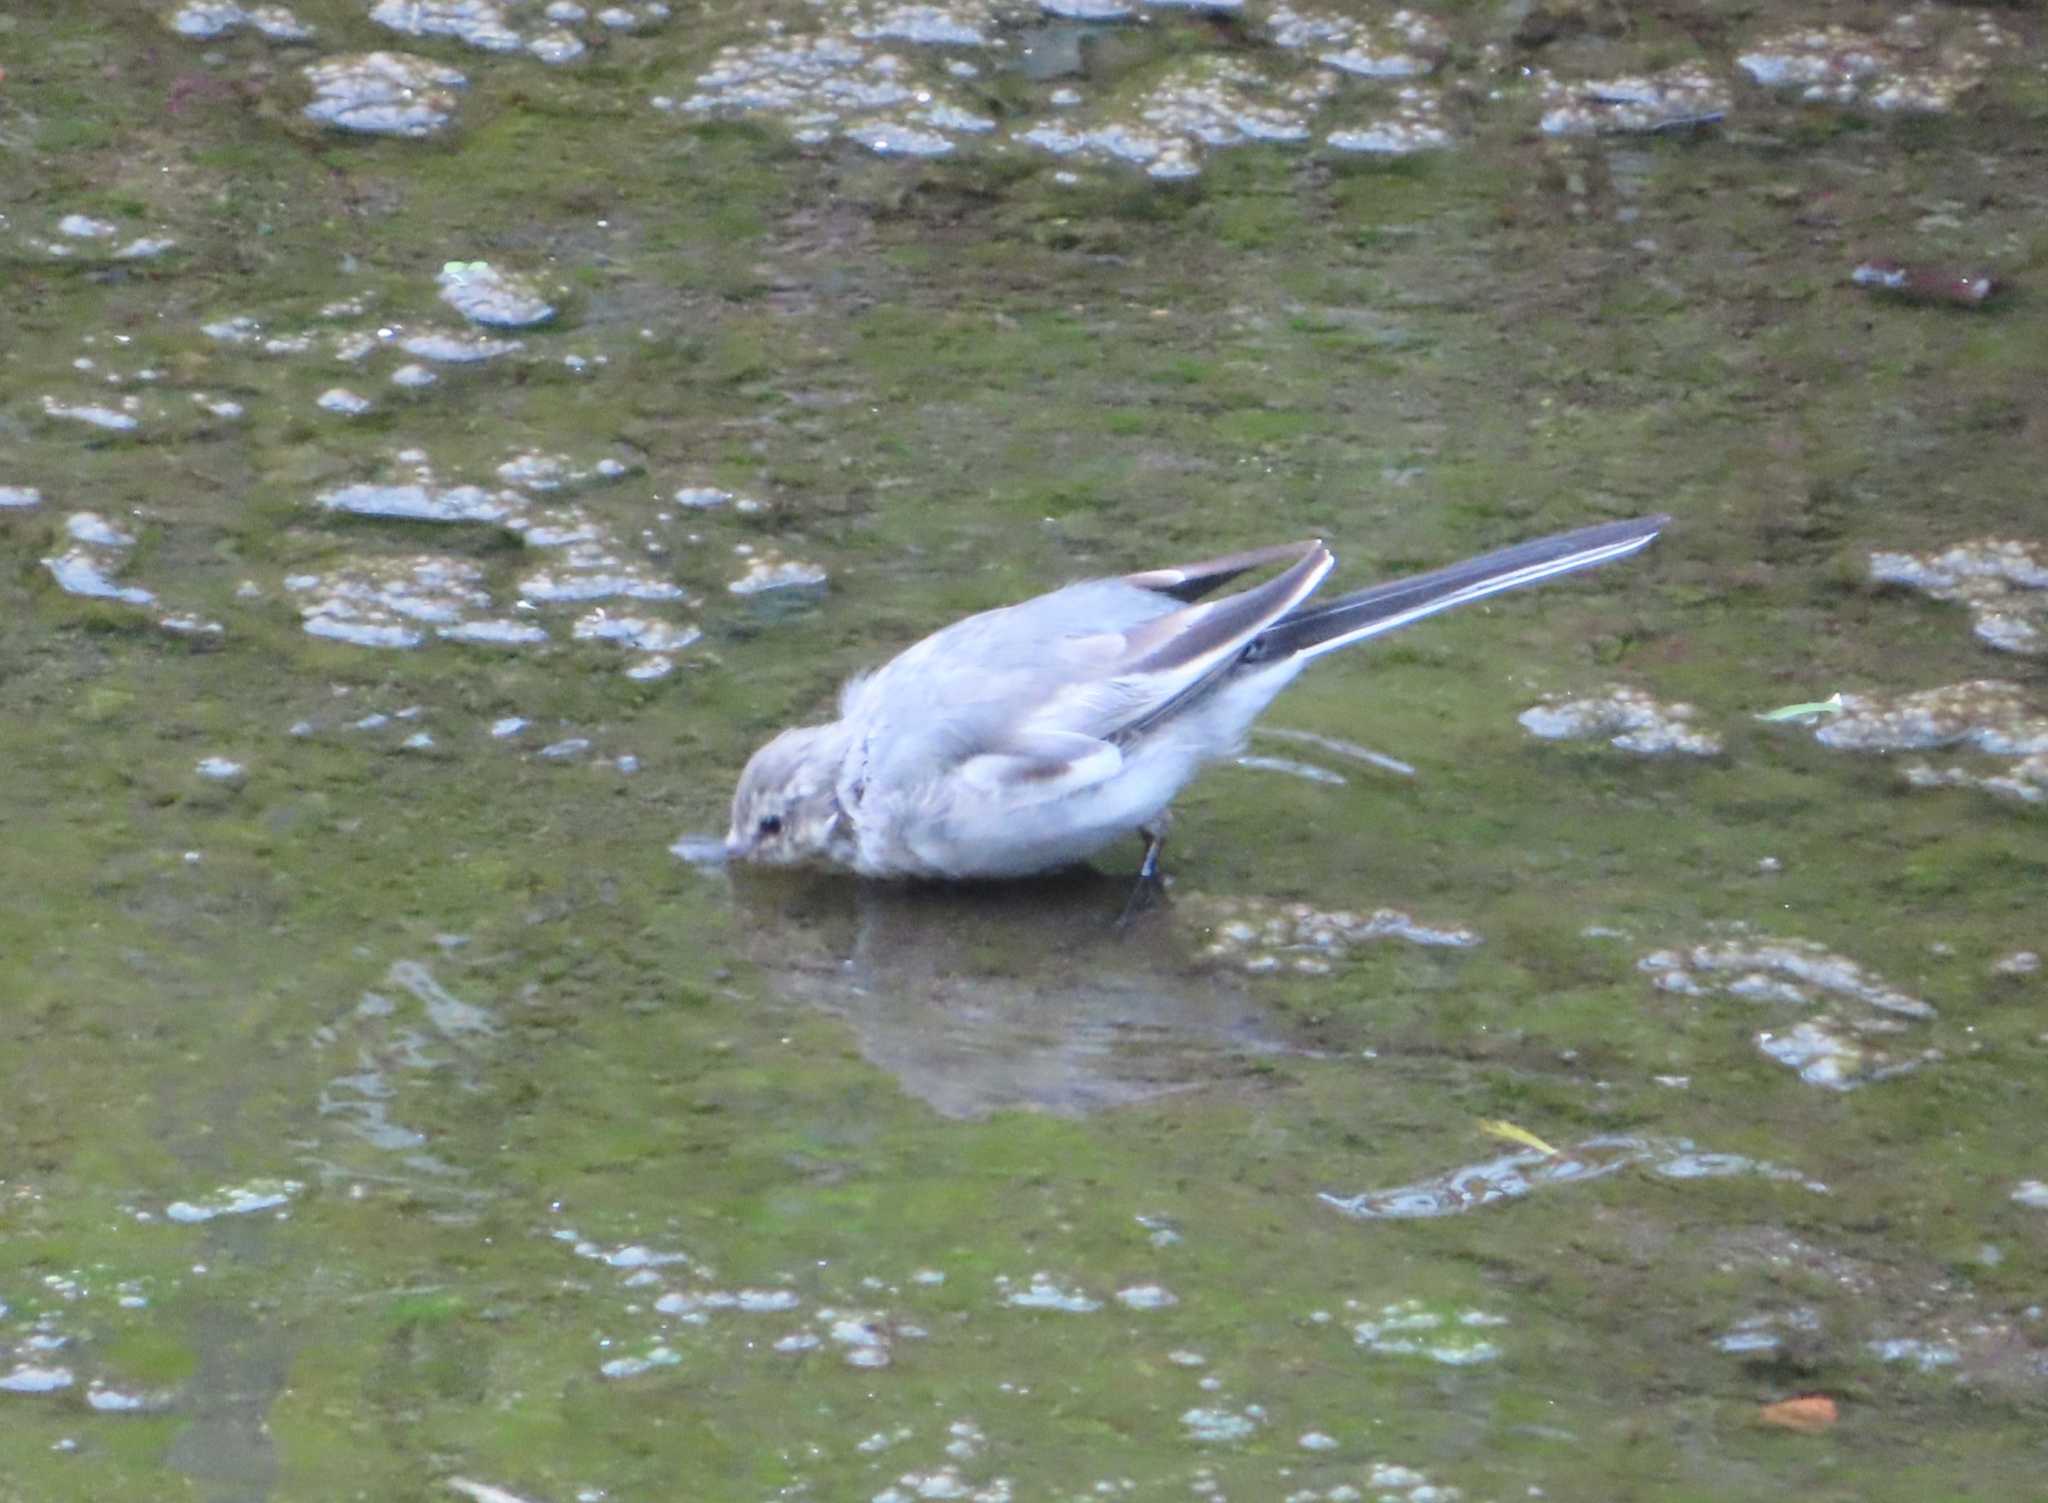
(1543, 1063)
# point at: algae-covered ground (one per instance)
(387, 1113)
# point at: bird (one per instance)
(1028, 738)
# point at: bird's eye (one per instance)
(771, 824)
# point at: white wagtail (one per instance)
(1027, 738)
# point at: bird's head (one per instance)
(786, 810)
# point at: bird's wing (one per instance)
(1190, 582)
(1034, 697)
(1136, 678)
(1184, 644)
(1043, 764)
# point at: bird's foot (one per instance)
(1149, 891)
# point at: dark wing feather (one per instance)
(1190, 582)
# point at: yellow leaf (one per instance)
(1507, 1131)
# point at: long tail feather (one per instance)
(1371, 612)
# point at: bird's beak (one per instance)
(703, 850)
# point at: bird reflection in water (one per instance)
(983, 997)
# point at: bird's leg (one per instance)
(1155, 842)
(1151, 884)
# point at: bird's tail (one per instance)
(1316, 629)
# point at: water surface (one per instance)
(408, 532)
